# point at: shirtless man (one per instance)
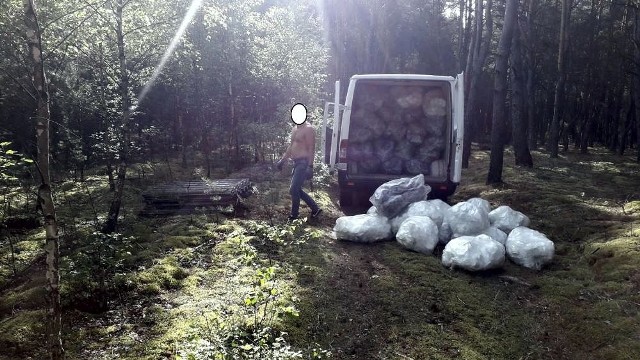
(301, 151)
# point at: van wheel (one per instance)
(346, 198)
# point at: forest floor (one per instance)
(206, 286)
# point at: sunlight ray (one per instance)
(193, 8)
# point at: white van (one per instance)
(392, 126)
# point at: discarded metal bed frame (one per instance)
(187, 197)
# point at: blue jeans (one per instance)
(298, 176)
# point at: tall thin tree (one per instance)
(558, 107)
(500, 94)
(477, 56)
(636, 73)
(125, 106)
(529, 59)
(519, 114)
(45, 196)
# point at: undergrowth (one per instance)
(204, 286)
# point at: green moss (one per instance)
(227, 227)
(166, 274)
(632, 207)
(614, 260)
(174, 242)
(25, 249)
(22, 333)
(31, 298)
(149, 288)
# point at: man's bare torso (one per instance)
(302, 142)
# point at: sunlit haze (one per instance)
(193, 8)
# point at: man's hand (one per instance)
(279, 164)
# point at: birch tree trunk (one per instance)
(111, 223)
(559, 93)
(500, 94)
(45, 197)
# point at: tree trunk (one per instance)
(559, 93)
(477, 57)
(45, 196)
(636, 75)
(111, 223)
(110, 179)
(624, 130)
(590, 107)
(183, 144)
(234, 122)
(199, 39)
(586, 133)
(500, 93)
(519, 120)
(461, 37)
(530, 74)
(615, 113)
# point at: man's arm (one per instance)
(312, 145)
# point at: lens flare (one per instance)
(191, 12)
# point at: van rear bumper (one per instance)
(439, 189)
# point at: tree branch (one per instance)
(19, 83)
(165, 22)
(55, 47)
(45, 26)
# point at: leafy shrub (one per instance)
(96, 270)
(256, 335)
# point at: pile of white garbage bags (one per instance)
(474, 236)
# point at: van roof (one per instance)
(402, 77)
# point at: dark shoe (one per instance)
(315, 214)
(291, 219)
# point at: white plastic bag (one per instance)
(496, 234)
(466, 219)
(418, 233)
(362, 228)
(441, 205)
(426, 208)
(529, 248)
(444, 233)
(397, 221)
(473, 253)
(481, 203)
(393, 196)
(507, 219)
(434, 209)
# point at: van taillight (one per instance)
(343, 150)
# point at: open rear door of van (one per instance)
(326, 131)
(458, 126)
(331, 135)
